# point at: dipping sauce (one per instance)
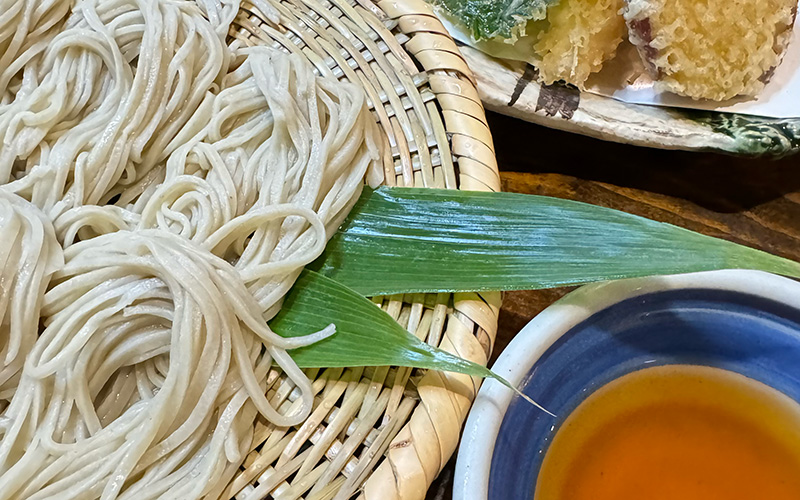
(677, 432)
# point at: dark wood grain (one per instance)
(753, 202)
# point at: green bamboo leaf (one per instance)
(403, 240)
(365, 334)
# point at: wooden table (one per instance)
(753, 202)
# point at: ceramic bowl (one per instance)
(744, 321)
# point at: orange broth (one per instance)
(677, 432)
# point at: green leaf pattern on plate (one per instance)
(754, 135)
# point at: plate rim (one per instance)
(510, 88)
(471, 481)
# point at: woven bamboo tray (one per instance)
(383, 433)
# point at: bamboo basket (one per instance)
(383, 433)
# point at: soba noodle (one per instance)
(29, 255)
(272, 174)
(143, 382)
(155, 355)
(26, 27)
(111, 92)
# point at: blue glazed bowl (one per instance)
(743, 321)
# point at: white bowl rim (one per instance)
(483, 424)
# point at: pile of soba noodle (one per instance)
(160, 192)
